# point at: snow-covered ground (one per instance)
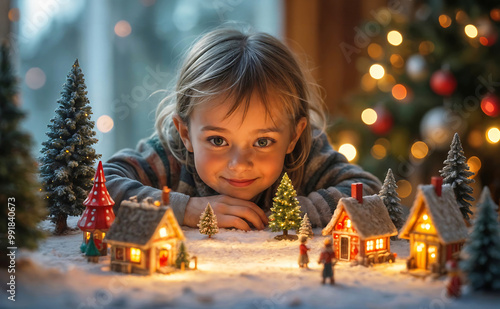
(236, 269)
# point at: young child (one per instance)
(303, 257)
(327, 258)
(241, 115)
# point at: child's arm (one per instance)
(328, 177)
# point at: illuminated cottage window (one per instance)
(379, 244)
(163, 232)
(369, 245)
(424, 224)
(87, 234)
(135, 255)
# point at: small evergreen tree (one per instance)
(182, 256)
(456, 173)
(482, 250)
(391, 199)
(305, 227)
(208, 222)
(22, 207)
(286, 209)
(91, 252)
(68, 157)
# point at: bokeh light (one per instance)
(475, 139)
(444, 20)
(493, 135)
(369, 116)
(474, 165)
(426, 47)
(368, 83)
(399, 92)
(404, 188)
(397, 61)
(394, 38)
(378, 151)
(495, 14)
(470, 31)
(348, 150)
(14, 14)
(377, 71)
(375, 51)
(419, 150)
(123, 28)
(104, 123)
(35, 78)
(386, 83)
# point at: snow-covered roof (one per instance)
(137, 223)
(443, 211)
(369, 219)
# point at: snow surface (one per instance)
(236, 269)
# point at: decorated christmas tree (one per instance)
(68, 156)
(391, 200)
(22, 207)
(208, 222)
(182, 257)
(286, 209)
(482, 250)
(305, 227)
(456, 173)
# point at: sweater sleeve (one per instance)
(328, 177)
(143, 173)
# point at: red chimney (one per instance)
(165, 196)
(357, 192)
(437, 182)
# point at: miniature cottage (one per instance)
(98, 215)
(435, 227)
(361, 228)
(144, 238)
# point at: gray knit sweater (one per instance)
(144, 171)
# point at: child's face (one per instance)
(236, 156)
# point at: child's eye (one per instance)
(264, 142)
(217, 141)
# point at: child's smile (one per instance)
(240, 155)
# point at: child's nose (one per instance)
(241, 159)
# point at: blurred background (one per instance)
(399, 77)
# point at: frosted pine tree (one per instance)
(391, 200)
(286, 210)
(482, 250)
(208, 222)
(68, 157)
(456, 173)
(182, 257)
(305, 227)
(19, 188)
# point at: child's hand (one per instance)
(230, 212)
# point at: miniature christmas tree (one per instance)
(18, 184)
(391, 199)
(482, 250)
(305, 227)
(91, 252)
(68, 157)
(286, 210)
(208, 222)
(182, 257)
(456, 173)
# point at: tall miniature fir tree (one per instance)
(208, 222)
(391, 200)
(305, 227)
(22, 206)
(456, 173)
(68, 157)
(482, 250)
(286, 209)
(182, 256)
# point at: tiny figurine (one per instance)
(435, 227)
(361, 229)
(391, 200)
(306, 228)
(98, 215)
(482, 250)
(68, 156)
(456, 173)
(327, 258)
(182, 260)
(144, 237)
(303, 257)
(286, 210)
(208, 222)
(454, 284)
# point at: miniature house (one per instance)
(435, 227)
(361, 228)
(98, 215)
(144, 238)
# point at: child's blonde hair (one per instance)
(230, 64)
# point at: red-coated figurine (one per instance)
(454, 281)
(327, 258)
(303, 257)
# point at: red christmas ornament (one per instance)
(384, 121)
(443, 83)
(490, 105)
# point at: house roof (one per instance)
(369, 219)
(443, 211)
(138, 223)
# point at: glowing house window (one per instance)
(379, 244)
(135, 255)
(87, 235)
(163, 232)
(369, 245)
(348, 223)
